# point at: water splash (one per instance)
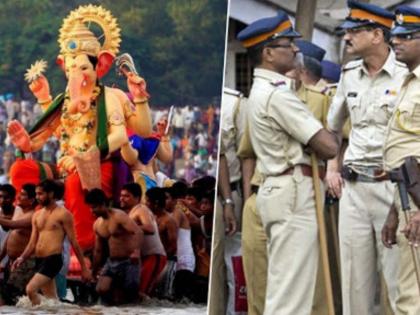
(148, 307)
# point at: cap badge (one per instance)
(400, 18)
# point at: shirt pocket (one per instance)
(355, 110)
(408, 116)
(384, 108)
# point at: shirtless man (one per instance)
(123, 237)
(153, 256)
(184, 277)
(14, 283)
(155, 200)
(49, 227)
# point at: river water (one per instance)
(153, 307)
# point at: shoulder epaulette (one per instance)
(232, 92)
(277, 83)
(353, 64)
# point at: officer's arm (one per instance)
(294, 117)
(337, 116)
(225, 192)
(325, 144)
(248, 161)
(248, 168)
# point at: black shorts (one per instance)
(49, 266)
(123, 273)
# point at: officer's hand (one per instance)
(230, 220)
(412, 230)
(389, 230)
(335, 183)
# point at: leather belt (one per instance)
(235, 186)
(369, 175)
(254, 189)
(306, 171)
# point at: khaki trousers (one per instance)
(363, 210)
(218, 289)
(287, 208)
(408, 302)
(219, 274)
(254, 256)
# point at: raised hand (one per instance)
(19, 136)
(137, 86)
(161, 126)
(40, 88)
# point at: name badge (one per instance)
(352, 94)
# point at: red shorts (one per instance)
(152, 266)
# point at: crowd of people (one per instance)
(194, 138)
(156, 248)
(153, 243)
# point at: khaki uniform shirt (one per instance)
(279, 124)
(316, 100)
(246, 151)
(331, 90)
(403, 133)
(369, 101)
(231, 130)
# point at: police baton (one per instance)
(405, 204)
(322, 234)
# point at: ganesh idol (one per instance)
(89, 119)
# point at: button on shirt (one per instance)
(403, 133)
(369, 101)
(279, 124)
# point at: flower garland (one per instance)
(78, 123)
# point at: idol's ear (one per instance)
(60, 62)
(105, 60)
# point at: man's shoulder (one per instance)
(119, 213)
(139, 209)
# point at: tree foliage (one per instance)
(177, 45)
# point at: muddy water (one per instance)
(152, 307)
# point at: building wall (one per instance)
(247, 11)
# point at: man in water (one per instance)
(119, 280)
(49, 227)
(168, 231)
(184, 277)
(14, 282)
(153, 256)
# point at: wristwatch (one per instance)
(227, 201)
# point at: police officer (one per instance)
(229, 207)
(366, 92)
(401, 141)
(224, 224)
(280, 126)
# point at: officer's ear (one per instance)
(268, 54)
(378, 36)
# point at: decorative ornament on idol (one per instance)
(35, 71)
